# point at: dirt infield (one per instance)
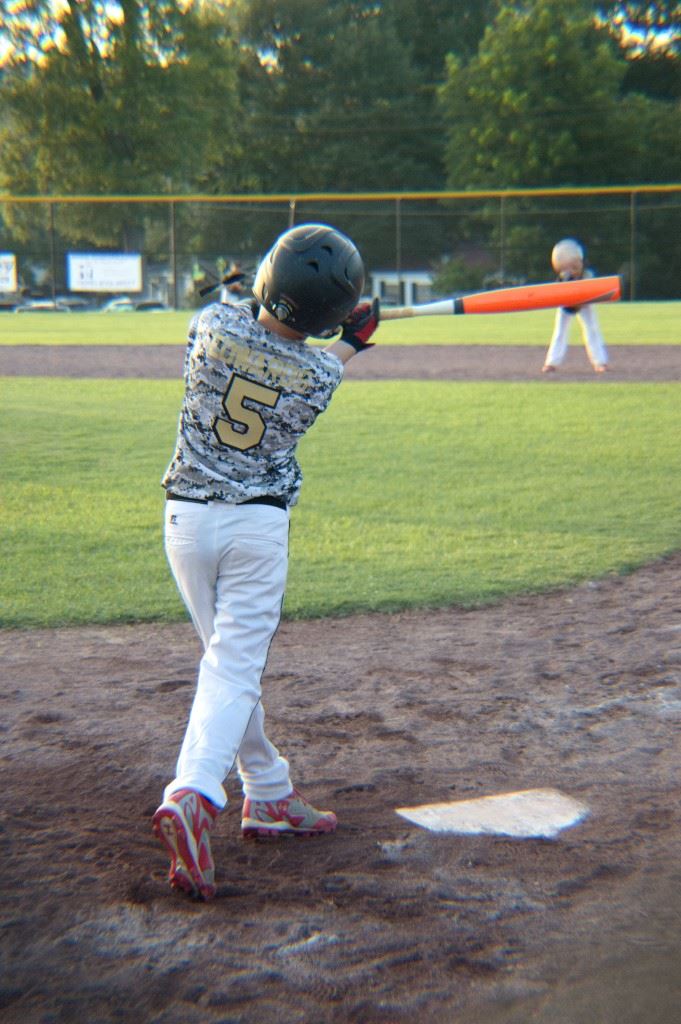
(383, 922)
(383, 362)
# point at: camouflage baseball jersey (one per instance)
(249, 398)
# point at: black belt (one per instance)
(264, 499)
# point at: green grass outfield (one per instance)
(417, 494)
(636, 323)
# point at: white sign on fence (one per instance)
(104, 272)
(8, 272)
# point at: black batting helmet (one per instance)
(311, 278)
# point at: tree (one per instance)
(644, 26)
(538, 104)
(335, 100)
(135, 99)
(433, 30)
(541, 104)
(650, 36)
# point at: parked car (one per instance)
(124, 304)
(151, 306)
(43, 306)
(76, 303)
(121, 304)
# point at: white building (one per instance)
(404, 288)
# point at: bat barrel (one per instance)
(542, 296)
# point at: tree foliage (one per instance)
(541, 104)
(650, 37)
(122, 100)
(334, 100)
(139, 96)
(645, 26)
(434, 29)
(538, 104)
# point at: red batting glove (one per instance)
(360, 325)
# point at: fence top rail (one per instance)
(290, 197)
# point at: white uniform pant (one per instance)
(591, 335)
(230, 564)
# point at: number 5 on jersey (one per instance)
(244, 428)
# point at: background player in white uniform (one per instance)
(253, 387)
(567, 259)
(233, 288)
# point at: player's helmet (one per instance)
(565, 253)
(311, 278)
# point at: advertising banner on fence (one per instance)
(104, 272)
(8, 272)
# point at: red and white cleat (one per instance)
(292, 816)
(182, 823)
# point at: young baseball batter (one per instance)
(253, 387)
(567, 259)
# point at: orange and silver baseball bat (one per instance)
(522, 297)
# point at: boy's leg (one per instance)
(230, 567)
(593, 339)
(559, 339)
(249, 590)
(264, 773)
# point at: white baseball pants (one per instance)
(591, 335)
(230, 564)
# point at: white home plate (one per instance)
(541, 813)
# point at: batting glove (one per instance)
(360, 325)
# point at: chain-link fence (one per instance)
(434, 244)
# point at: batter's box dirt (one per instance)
(383, 921)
